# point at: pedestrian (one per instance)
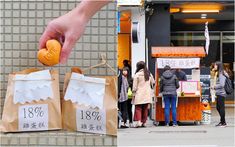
(127, 64)
(142, 93)
(169, 83)
(220, 92)
(123, 96)
(180, 74)
(130, 82)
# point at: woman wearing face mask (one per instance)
(220, 92)
(123, 97)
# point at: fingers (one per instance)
(49, 33)
(43, 39)
(67, 48)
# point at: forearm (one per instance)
(87, 8)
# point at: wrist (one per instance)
(86, 9)
(81, 14)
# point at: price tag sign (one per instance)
(33, 117)
(91, 120)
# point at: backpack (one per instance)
(228, 87)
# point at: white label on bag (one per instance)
(91, 120)
(33, 117)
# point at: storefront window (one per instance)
(221, 48)
(228, 47)
(198, 39)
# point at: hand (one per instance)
(69, 28)
(133, 100)
(148, 106)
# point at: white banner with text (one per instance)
(178, 62)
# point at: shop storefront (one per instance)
(221, 48)
(182, 23)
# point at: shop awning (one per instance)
(179, 51)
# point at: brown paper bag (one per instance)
(37, 115)
(70, 110)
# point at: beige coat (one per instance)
(142, 92)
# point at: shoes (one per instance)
(131, 125)
(174, 125)
(138, 125)
(222, 125)
(167, 125)
(124, 126)
(219, 124)
(143, 125)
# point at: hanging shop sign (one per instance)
(182, 63)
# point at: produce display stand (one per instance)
(189, 104)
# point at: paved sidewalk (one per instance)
(187, 135)
(55, 139)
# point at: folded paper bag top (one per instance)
(88, 91)
(33, 86)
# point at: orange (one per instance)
(51, 54)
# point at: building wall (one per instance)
(157, 31)
(138, 49)
(22, 23)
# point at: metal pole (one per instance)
(221, 46)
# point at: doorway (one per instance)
(124, 38)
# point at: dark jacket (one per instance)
(129, 79)
(169, 83)
(181, 75)
(119, 81)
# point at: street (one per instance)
(186, 135)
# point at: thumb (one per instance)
(66, 49)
